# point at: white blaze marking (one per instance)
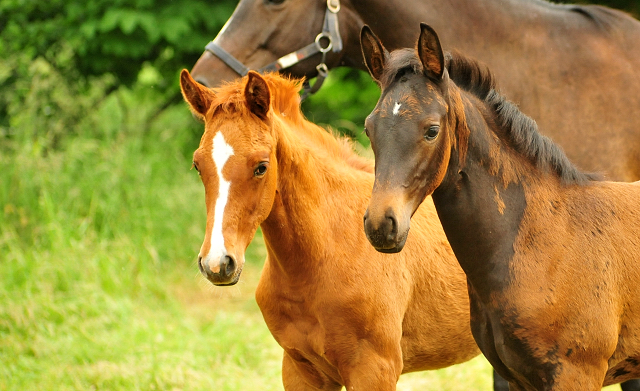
(221, 152)
(396, 108)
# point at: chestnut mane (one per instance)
(285, 104)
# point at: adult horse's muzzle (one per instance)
(222, 271)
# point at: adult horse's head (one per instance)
(237, 164)
(299, 37)
(409, 133)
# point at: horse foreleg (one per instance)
(631, 385)
(303, 376)
(577, 377)
(499, 383)
(372, 372)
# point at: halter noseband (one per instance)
(330, 35)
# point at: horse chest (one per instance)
(291, 319)
(303, 339)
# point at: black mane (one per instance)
(520, 130)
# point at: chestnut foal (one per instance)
(344, 314)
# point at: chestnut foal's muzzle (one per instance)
(220, 271)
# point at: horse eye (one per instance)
(260, 170)
(366, 131)
(275, 1)
(432, 133)
(195, 166)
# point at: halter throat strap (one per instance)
(328, 40)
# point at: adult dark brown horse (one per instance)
(552, 256)
(574, 69)
(343, 313)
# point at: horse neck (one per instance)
(485, 193)
(470, 26)
(315, 195)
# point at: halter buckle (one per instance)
(333, 6)
(319, 43)
(322, 69)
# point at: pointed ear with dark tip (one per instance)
(198, 96)
(373, 52)
(257, 94)
(430, 52)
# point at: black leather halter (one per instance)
(329, 39)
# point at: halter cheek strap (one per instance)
(227, 58)
(328, 40)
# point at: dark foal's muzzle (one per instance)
(382, 232)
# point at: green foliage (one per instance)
(98, 236)
(345, 99)
(97, 42)
(114, 36)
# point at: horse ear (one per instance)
(430, 52)
(198, 96)
(373, 52)
(257, 94)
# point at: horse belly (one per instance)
(436, 334)
(421, 352)
(627, 369)
(625, 362)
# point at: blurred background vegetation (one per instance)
(100, 218)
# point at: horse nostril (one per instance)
(200, 265)
(227, 265)
(392, 225)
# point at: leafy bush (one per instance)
(93, 47)
(114, 36)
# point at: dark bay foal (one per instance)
(551, 255)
